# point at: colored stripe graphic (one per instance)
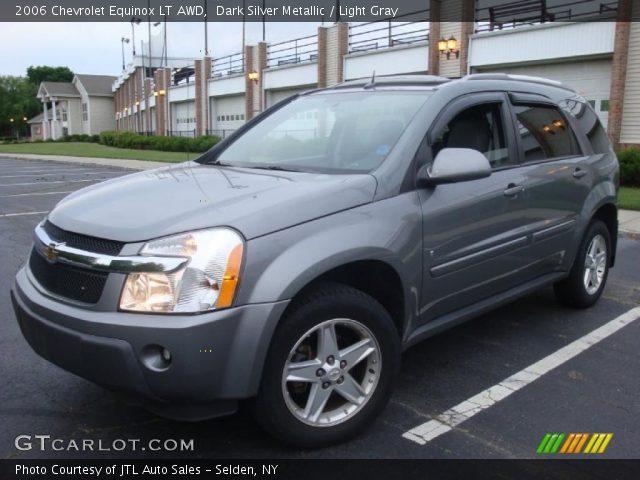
(573, 443)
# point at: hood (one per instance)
(190, 196)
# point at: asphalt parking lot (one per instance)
(597, 390)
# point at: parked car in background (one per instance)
(293, 262)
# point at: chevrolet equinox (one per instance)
(292, 263)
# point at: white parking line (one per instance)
(34, 193)
(46, 183)
(5, 215)
(56, 173)
(453, 417)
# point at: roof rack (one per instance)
(396, 80)
(517, 78)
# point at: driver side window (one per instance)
(480, 128)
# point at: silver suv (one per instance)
(293, 262)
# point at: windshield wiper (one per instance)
(219, 163)
(274, 167)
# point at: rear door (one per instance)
(558, 178)
(474, 240)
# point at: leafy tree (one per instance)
(18, 96)
(49, 74)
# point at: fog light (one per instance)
(156, 357)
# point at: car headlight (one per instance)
(208, 281)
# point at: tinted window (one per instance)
(588, 122)
(544, 133)
(478, 128)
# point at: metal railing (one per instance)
(222, 133)
(494, 17)
(389, 32)
(146, 134)
(182, 133)
(182, 76)
(229, 65)
(298, 50)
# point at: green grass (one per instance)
(629, 198)
(81, 149)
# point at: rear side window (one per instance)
(588, 123)
(544, 133)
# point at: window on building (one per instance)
(478, 128)
(544, 132)
(604, 105)
(64, 115)
(85, 111)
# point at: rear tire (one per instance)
(330, 369)
(588, 276)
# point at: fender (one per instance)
(280, 265)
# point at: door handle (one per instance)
(513, 189)
(579, 173)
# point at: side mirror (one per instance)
(455, 165)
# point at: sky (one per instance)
(95, 48)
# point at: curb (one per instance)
(129, 164)
(629, 235)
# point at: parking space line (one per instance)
(5, 215)
(453, 417)
(56, 173)
(47, 183)
(34, 193)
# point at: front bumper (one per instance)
(215, 357)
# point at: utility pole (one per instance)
(206, 33)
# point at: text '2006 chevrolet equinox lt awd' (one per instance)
(293, 262)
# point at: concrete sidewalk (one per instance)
(629, 221)
(109, 162)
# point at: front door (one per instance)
(473, 232)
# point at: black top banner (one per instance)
(309, 10)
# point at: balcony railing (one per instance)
(229, 65)
(491, 16)
(182, 76)
(389, 32)
(299, 50)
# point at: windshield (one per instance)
(337, 132)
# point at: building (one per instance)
(600, 59)
(83, 106)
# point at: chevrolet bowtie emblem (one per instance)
(52, 253)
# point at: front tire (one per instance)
(588, 276)
(330, 369)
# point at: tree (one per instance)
(49, 74)
(18, 96)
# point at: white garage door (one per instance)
(183, 118)
(227, 114)
(592, 79)
(274, 96)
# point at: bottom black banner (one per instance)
(321, 469)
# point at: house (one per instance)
(83, 106)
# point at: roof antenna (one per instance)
(372, 83)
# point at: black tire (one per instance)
(572, 290)
(328, 301)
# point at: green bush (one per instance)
(629, 159)
(166, 144)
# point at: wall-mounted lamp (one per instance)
(253, 76)
(137, 102)
(448, 47)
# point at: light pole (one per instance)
(134, 21)
(11, 120)
(26, 127)
(123, 40)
